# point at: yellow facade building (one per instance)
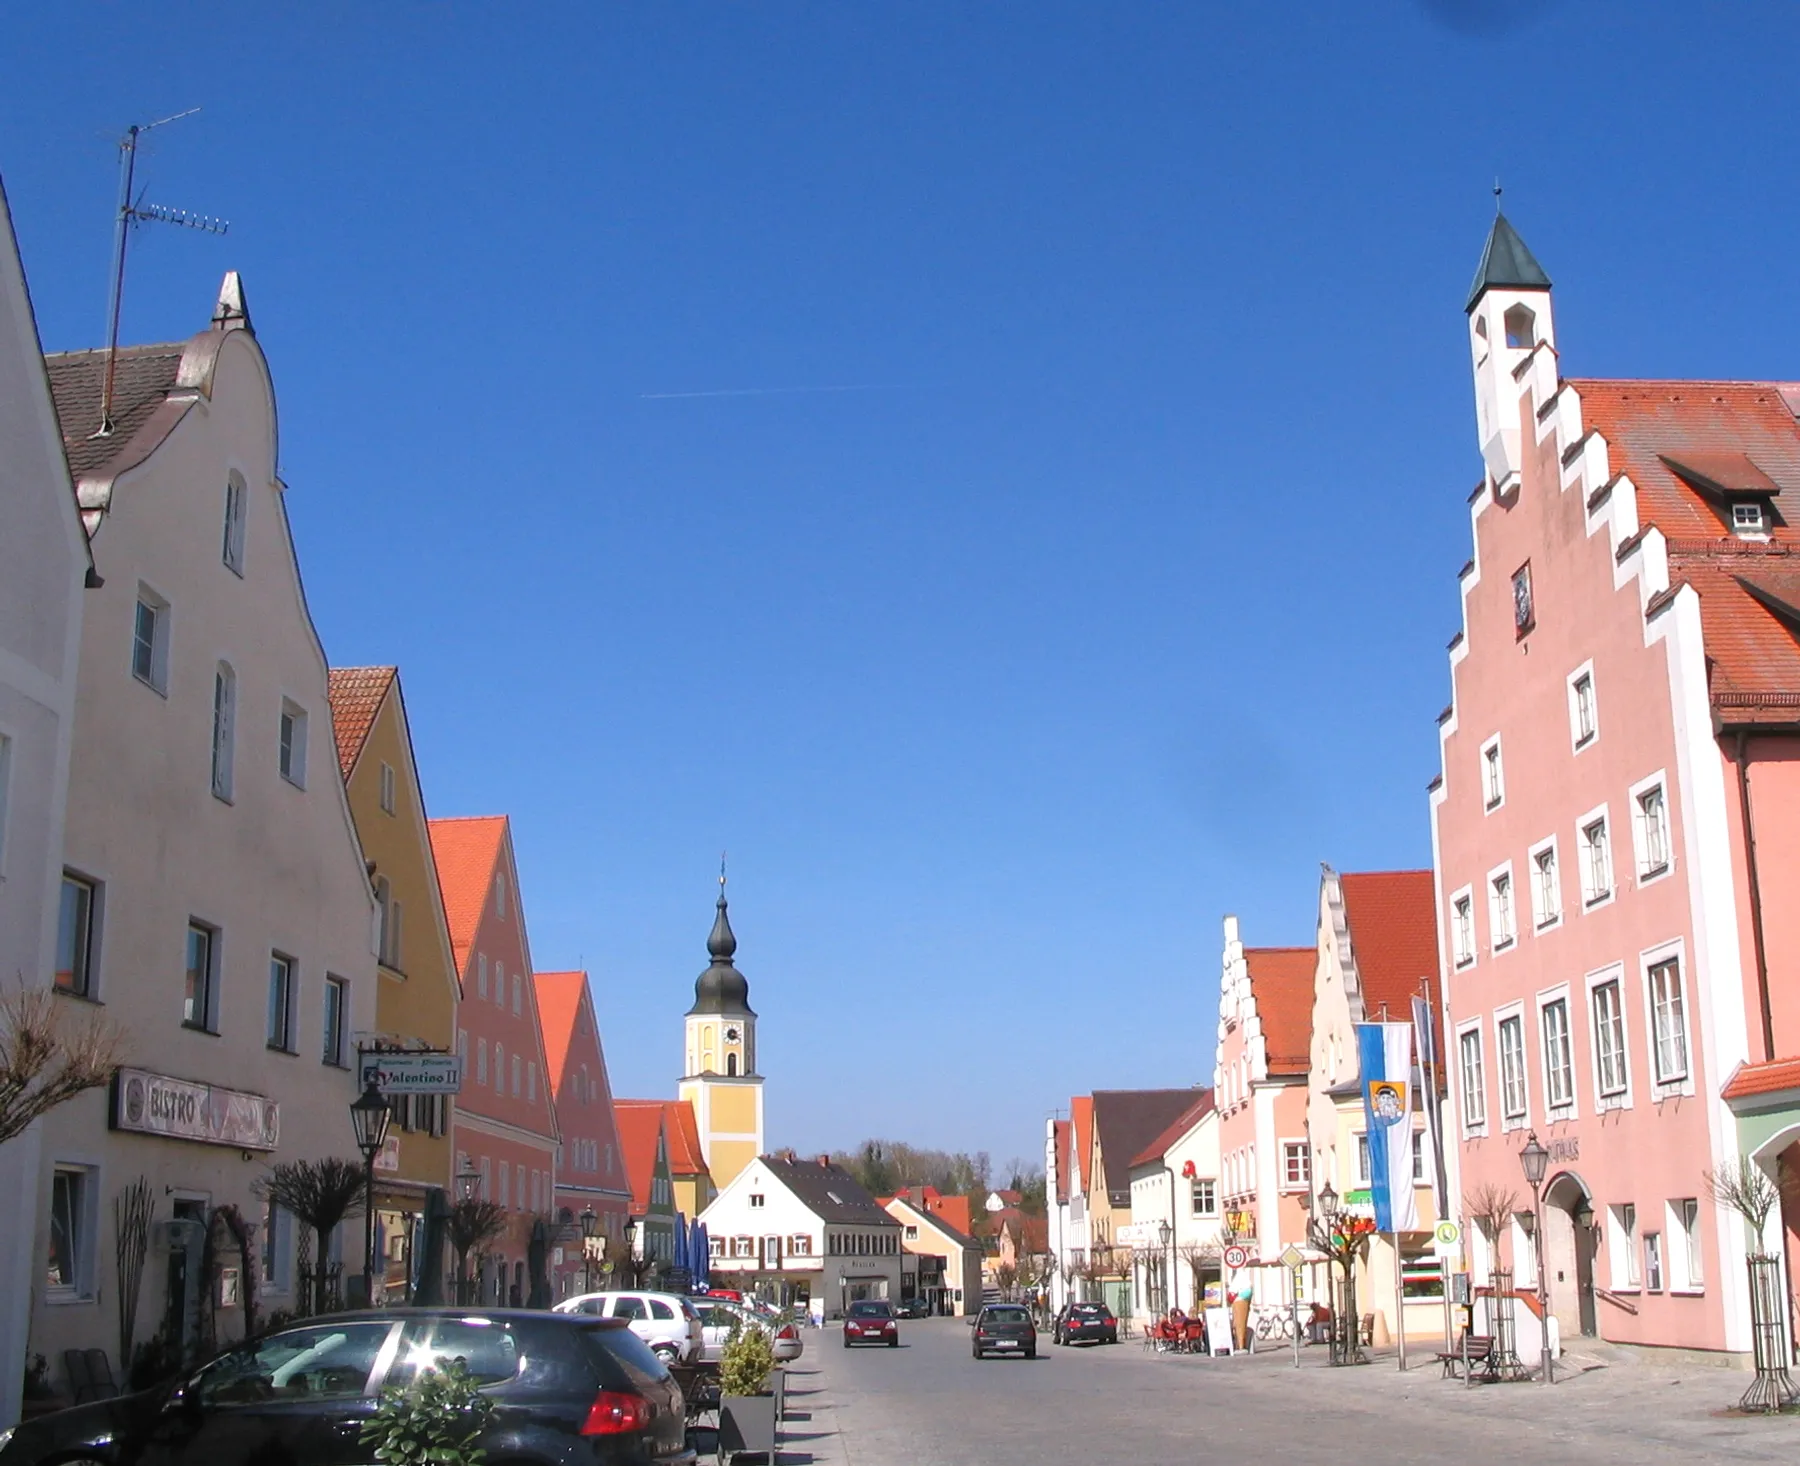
(417, 988)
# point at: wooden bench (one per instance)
(1477, 1350)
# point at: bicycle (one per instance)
(1275, 1323)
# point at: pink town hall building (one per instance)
(1617, 813)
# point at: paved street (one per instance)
(929, 1404)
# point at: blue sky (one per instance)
(1104, 591)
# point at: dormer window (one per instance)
(1521, 328)
(1747, 517)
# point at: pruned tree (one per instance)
(46, 1060)
(1491, 1206)
(1745, 1187)
(322, 1194)
(1006, 1278)
(472, 1224)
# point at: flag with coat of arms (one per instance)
(1385, 1053)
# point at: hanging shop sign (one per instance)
(410, 1073)
(159, 1104)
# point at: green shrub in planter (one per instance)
(748, 1362)
(434, 1421)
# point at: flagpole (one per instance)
(1399, 1298)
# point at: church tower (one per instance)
(720, 1079)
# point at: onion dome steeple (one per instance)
(722, 988)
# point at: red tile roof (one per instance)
(467, 852)
(1392, 915)
(1281, 982)
(681, 1130)
(639, 1127)
(356, 695)
(1655, 428)
(1178, 1127)
(1081, 1118)
(144, 378)
(1767, 1078)
(558, 1004)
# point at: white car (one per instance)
(666, 1322)
(718, 1316)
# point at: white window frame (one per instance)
(1647, 873)
(1423, 1161)
(518, 993)
(1624, 1262)
(275, 1251)
(1524, 1254)
(1471, 1082)
(1503, 909)
(1289, 1150)
(1209, 1207)
(1686, 1255)
(158, 606)
(1656, 1272)
(291, 740)
(1545, 915)
(328, 1041)
(90, 945)
(1364, 1163)
(387, 789)
(1578, 743)
(1555, 1109)
(1618, 1098)
(86, 1242)
(1755, 524)
(208, 1021)
(481, 976)
(1493, 776)
(1592, 898)
(1462, 943)
(1512, 1013)
(481, 1061)
(1662, 1087)
(237, 508)
(279, 1032)
(224, 730)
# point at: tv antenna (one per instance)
(135, 211)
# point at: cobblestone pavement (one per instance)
(929, 1404)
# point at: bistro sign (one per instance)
(157, 1104)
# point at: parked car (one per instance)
(667, 1322)
(871, 1321)
(1002, 1328)
(913, 1308)
(1085, 1323)
(718, 1318)
(732, 1294)
(568, 1391)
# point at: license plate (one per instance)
(1006, 1343)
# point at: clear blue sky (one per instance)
(1115, 595)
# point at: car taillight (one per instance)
(787, 1332)
(616, 1413)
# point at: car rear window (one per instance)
(1087, 1310)
(622, 1352)
(1006, 1314)
(870, 1310)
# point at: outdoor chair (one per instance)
(1480, 1357)
(90, 1375)
(1193, 1337)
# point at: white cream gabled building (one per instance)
(43, 562)
(213, 891)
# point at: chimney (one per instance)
(824, 1159)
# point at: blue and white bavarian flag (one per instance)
(1385, 1051)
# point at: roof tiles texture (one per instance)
(558, 1004)
(356, 694)
(1175, 1130)
(681, 1131)
(639, 1127)
(1081, 1120)
(1767, 1078)
(1281, 982)
(1127, 1120)
(467, 852)
(143, 379)
(829, 1191)
(1392, 915)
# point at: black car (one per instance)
(566, 1388)
(1000, 1328)
(1085, 1323)
(912, 1308)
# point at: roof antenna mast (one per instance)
(134, 211)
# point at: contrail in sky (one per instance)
(763, 391)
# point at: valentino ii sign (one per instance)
(157, 1104)
(410, 1073)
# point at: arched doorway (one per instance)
(1570, 1243)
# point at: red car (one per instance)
(871, 1322)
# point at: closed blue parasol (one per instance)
(702, 1257)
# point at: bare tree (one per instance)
(1491, 1206)
(1746, 1188)
(1198, 1256)
(1006, 1277)
(322, 1194)
(472, 1224)
(45, 1062)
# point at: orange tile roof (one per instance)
(466, 851)
(639, 1126)
(559, 1004)
(1178, 1127)
(1081, 1121)
(1392, 915)
(1754, 659)
(356, 694)
(1281, 982)
(955, 1211)
(1767, 1078)
(681, 1130)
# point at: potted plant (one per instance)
(434, 1421)
(746, 1403)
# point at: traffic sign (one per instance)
(1236, 1257)
(1292, 1256)
(1446, 1238)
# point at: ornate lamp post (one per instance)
(843, 1292)
(466, 1182)
(369, 1116)
(1164, 1233)
(1536, 1160)
(590, 1225)
(631, 1231)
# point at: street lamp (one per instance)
(590, 1224)
(466, 1182)
(1163, 1233)
(843, 1293)
(631, 1231)
(369, 1116)
(1536, 1160)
